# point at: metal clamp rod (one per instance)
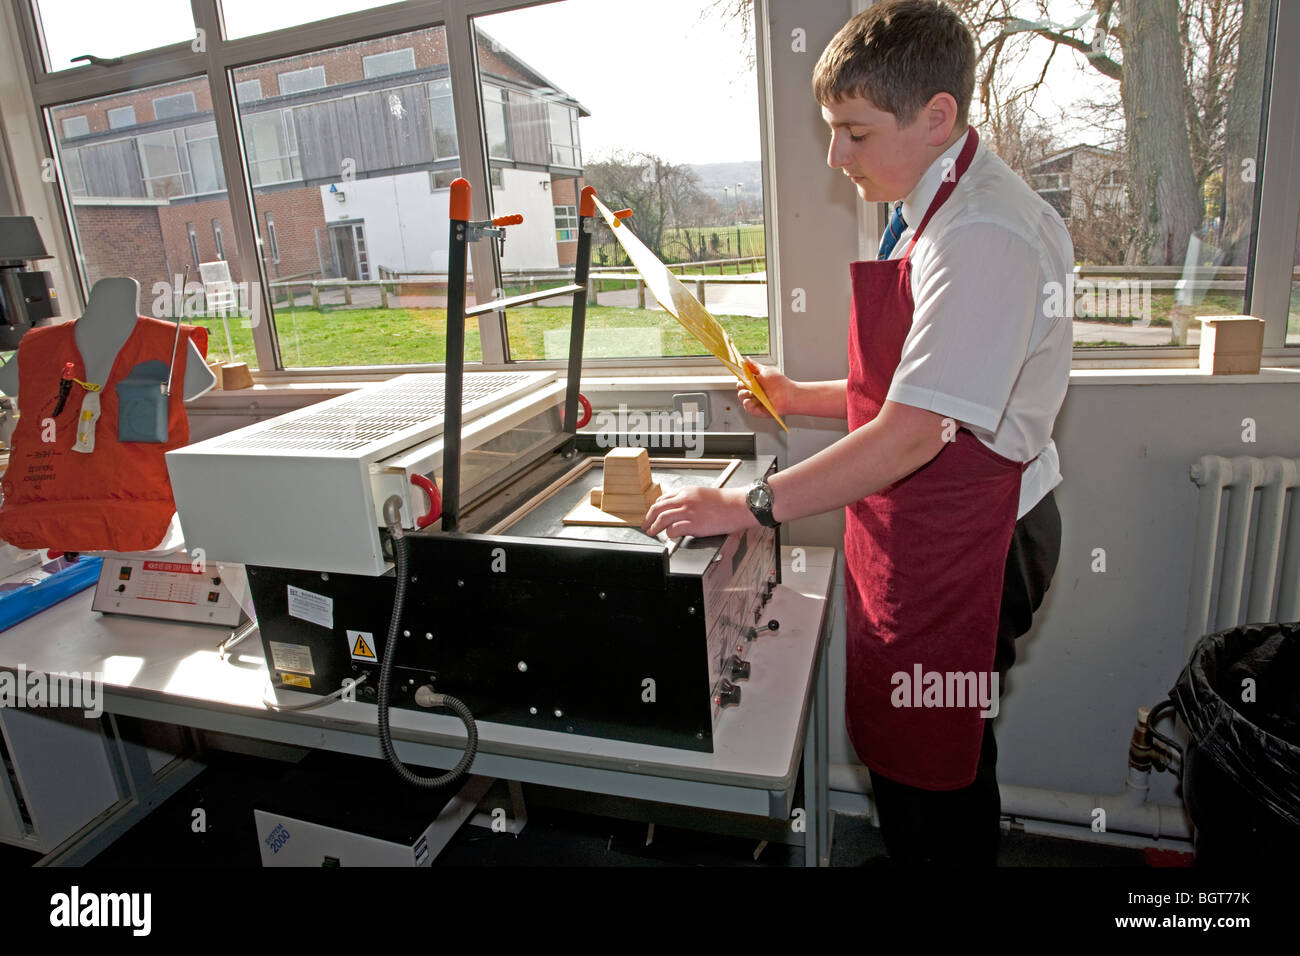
(524, 299)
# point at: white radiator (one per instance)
(1246, 565)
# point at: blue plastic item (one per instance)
(142, 403)
(17, 606)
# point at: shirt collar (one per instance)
(919, 199)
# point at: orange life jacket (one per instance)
(116, 498)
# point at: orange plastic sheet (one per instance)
(678, 302)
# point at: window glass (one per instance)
(566, 223)
(75, 126)
(244, 18)
(1293, 319)
(136, 193)
(248, 91)
(121, 116)
(389, 62)
(494, 121)
(1155, 178)
(178, 104)
(563, 124)
(70, 28)
(299, 81)
(351, 201)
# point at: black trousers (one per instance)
(962, 827)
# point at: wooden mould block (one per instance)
(627, 491)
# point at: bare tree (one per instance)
(1187, 108)
(660, 194)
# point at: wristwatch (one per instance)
(759, 499)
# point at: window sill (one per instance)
(295, 394)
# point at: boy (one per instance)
(956, 373)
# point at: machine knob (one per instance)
(753, 632)
(728, 694)
(739, 668)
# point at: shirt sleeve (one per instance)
(976, 297)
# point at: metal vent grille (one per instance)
(373, 414)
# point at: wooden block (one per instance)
(624, 504)
(627, 462)
(236, 375)
(1231, 344)
(214, 366)
(625, 486)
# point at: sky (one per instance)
(673, 84)
(656, 75)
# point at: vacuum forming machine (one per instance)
(410, 537)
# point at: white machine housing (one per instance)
(306, 489)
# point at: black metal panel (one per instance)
(606, 648)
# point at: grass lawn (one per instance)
(310, 338)
(751, 243)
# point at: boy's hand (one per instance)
(779, 389)
(699, 511)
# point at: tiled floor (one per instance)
(232, 784)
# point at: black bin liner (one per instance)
(1241, 769)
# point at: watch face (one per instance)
(760, 497)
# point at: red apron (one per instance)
(924, 560)
(116, 498)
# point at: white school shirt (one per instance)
(985, 347)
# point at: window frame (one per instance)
(570, 215)
(215, 63)
(218, 56)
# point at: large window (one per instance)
(1152, 169)
(350, 182)
(72, 28)
(243, 18)
(555, 122)
(135, 194)
(348, 147)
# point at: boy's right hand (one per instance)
(779, 389)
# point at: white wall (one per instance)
(406, 223)
(530, 245)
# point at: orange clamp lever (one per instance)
(623, 214)
(514, 220)
(460, 199)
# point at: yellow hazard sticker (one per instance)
(361, 645)
(296, 680)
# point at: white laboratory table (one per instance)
(172, 673)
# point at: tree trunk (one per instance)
(1162, 182)
(1241, 133)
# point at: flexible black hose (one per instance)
(458, 707)
(1156, 713)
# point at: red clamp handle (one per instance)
(514, 220)
(435, 501)
(586, 411)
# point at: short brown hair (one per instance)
(898, 54)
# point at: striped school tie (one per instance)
(895, 229)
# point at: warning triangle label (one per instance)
(360, 645)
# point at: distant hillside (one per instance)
(714, 176)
